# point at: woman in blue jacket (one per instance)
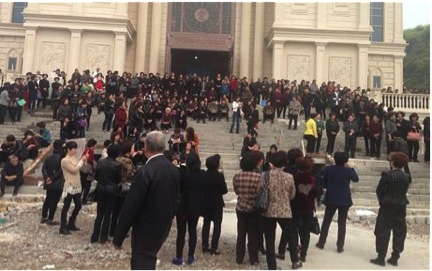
(337, 180)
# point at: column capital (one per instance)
(120, 33)
(76, 30)
(320, 43)
(31, 28)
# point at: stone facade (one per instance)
(322, 41)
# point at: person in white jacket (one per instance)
(72, 187)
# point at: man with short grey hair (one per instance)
(150, 205)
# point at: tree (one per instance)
(417, 60)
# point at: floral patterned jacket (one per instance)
(281, 191)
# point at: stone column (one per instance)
(398, 28)
(155, 37)
(29, 50)
(119, 51)
(258, 41)
(321, 16)
(364, 17)
(141, 36)
(363, 60)
(398, 73)
(245, 39)
(74, 51)
(319, 65)
(277, 59)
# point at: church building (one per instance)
(352, 43)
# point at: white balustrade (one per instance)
(409, 103)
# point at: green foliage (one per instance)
(417, 60)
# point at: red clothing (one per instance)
(306, 191)
(99, 85)
(233, 85)
(120, 117)
(90, 153)
(166, 118)
(375, 128)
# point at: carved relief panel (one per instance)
(298, 67)
(53, 56)
(340, 70)
(98, 55)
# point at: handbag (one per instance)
(261, 201)
(315, 226)
(86, 169)
(413, 136)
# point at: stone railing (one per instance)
(409, 103)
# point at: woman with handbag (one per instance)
(127, 174)
(414, 137)
(303, 204)
(281, 190)
(87, 172)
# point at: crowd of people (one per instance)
(132, 173)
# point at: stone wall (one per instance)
(382, 65)
(11, 47)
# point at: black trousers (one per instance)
(413, 149)
(318, 143)
(375, 147)
(251, 129)
(427, 151)
(67, 202)
(15, 183)
(247, 224)
(302, 222)
(292, 118)
(325, 226)
(331, 138)
(49, 206)
(19, 113)
(367, 145)
(86, 185)
(191, 225)
(215, 215)
(114, 219)
(391, 218)
(105, 207)
(288, 230)
(3, 111)
(310, 146)
(350, 146)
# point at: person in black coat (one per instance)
(214, 187)
(150, 205)
(190, 209)
(12, 175)
(253, 119)
(392, 197)
(108, 174)
(53, 182)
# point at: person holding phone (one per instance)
(72, 187)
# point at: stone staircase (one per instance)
(215, 138)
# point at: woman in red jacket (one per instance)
(121, 117)
(303, 204)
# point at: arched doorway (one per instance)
(200, 38)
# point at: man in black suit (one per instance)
(150, 205)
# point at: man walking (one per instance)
(150, 205)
